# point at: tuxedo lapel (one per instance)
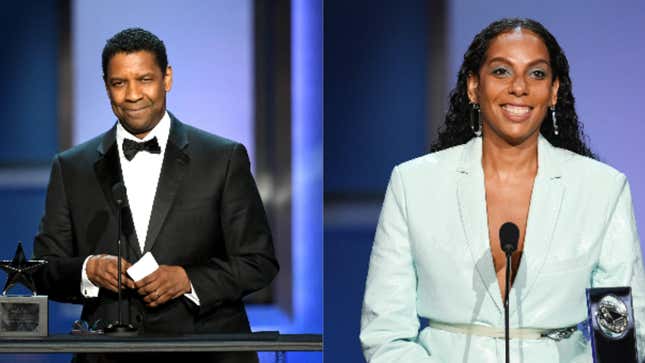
(107, 169)
(173, 170)
(471, 197)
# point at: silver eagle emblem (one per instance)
(612, 317)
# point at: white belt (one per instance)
(514, 333)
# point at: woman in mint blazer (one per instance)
(511, 150)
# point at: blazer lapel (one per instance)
(173, 169)
(471, 197)
(546, 200)
(108, 172)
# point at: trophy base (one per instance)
(23, 316)
(611, 323)
(120, 330)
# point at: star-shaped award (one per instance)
(20, 270)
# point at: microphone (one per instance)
(509, 235)
(119, 195)
(119, 328)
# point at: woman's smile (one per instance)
(516, 113)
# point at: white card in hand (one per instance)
(144, 267)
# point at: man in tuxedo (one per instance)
(192, 203)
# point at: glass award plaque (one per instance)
(611, 324)
(22, 316)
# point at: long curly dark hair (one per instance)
(457, 128)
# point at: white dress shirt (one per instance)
(141, 177)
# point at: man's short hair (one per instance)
(133, 40)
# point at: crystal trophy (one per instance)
(22, 316)
(611, 324)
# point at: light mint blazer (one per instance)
(431, 258)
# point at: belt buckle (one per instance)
(559, 334)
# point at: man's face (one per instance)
(137, 90)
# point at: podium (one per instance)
(260, 342)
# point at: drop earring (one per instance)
(475, 120)
(555, 121)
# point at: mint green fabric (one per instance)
(431, 258)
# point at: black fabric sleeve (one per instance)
(250, 262)
(60, 278)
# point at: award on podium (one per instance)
(22, 316)
(611, 324)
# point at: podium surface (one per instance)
(68, 343)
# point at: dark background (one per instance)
(376, 106)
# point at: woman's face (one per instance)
(514, 87)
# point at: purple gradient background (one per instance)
(209, 46)
(605, 45)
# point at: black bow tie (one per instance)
(131, 147)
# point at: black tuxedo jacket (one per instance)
(207, 216)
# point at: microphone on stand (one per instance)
(119, 328)
(509, 234)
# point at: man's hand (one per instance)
(166, 283)
(102, 271)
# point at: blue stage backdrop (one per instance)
(210, 46)
(374, 119)
(29, 74)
